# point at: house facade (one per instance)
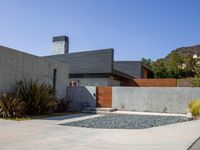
(16, 65)
(95, 67)
(91, 68)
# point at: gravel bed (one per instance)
(126, 121)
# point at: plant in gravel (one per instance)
(40, 98)
(62, 104)
(194, 107)
(11, 106)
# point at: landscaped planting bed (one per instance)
(126, 121)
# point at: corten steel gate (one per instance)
(104, 97)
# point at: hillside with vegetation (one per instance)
(180, 63)
(190, 50)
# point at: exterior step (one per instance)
(98, 110)
(88, 111)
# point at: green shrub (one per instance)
(39, 97)
(11, 106)
(31, 98)
(194, 107)
(62, 104)
(196, 80)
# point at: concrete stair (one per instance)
(92, 110)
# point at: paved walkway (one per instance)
(47, 134)
(196, 145)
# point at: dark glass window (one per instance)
(54, 78)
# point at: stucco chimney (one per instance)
(60, 45)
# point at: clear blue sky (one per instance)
(134, 28)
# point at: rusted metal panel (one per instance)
(104, 97)
(152, 82)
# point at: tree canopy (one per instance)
(174, 65)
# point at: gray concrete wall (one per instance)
(95, 81)
(82, 97)
(16, 65)
(154, 99)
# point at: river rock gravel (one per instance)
(121, 121)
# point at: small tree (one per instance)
(196, 80)
(147, 62)
(174, 65)
(159, 68)
(190, 64)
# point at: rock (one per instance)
(127, 121)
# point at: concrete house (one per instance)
(96, 67)
(16, 65)
(91, 68)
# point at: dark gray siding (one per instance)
(132, 68)
(98, 61)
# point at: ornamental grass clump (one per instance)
(194, 108)
(62, 104)
(31, 98)
(40, 98)
(11, 106)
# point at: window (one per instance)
(73, 83)
(54, 78)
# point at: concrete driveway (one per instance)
(48, 134)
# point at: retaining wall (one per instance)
(144, 99)
(82, 97)
(154, 99)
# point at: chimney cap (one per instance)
(60, 38)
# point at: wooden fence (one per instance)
(152, 82)
(104, 96)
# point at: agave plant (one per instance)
(62, 104)
(39, 97)
(11, 106)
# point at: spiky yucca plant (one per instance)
(62, 104)
(11, 106)
(39, 97)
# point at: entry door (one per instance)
(104, 97)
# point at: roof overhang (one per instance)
(121, 74)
